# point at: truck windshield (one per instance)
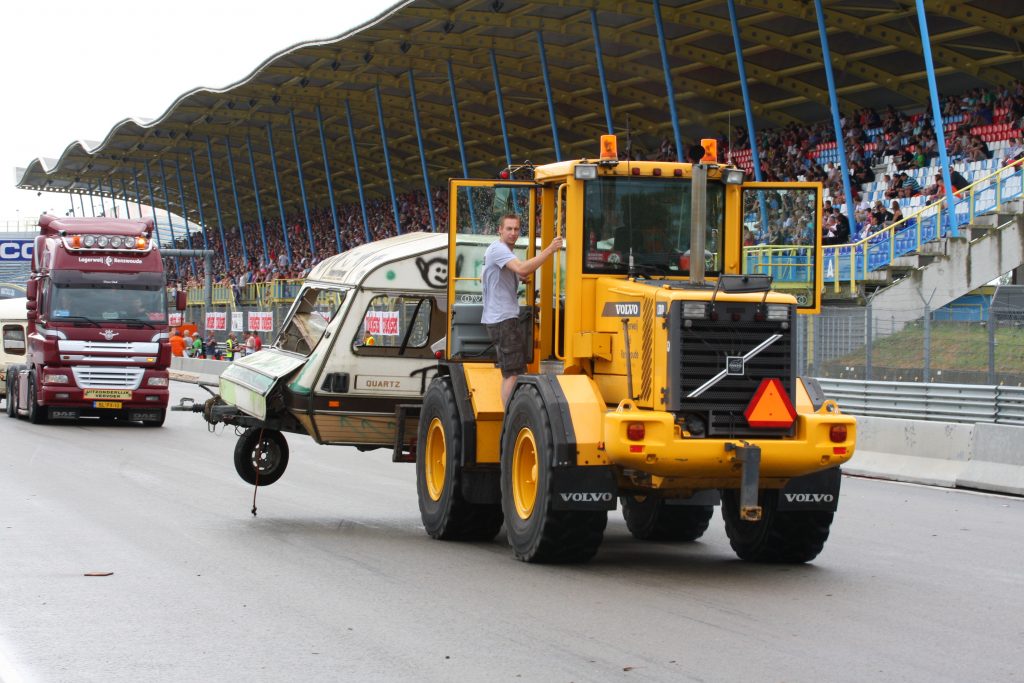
(110, 304)
(649, 217)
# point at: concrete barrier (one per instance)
(197, 370)
(977, 456)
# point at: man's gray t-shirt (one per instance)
(500, 285)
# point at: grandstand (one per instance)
(334, 142)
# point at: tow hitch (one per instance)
(749, 456)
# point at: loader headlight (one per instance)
(733, 176)
(778, 312)
(585, 171)
(695, 309)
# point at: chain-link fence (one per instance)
(978, 342)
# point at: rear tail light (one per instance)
(837, 433)
(635, 431)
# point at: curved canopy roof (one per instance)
(875, 49)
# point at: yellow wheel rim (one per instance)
(524, 473)
(434, 459)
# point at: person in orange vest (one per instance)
(177, 343)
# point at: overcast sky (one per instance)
(71, 70)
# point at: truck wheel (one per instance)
(12, 395)
(790, 537)
(650, 518)
(158, 421)
(36, 414)
(536, 532)
(261, 456)
(445, 513)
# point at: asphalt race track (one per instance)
(336, 580)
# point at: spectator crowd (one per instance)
(906, 140)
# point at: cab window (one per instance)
(395, 323)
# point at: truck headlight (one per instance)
(54, 378)
(156, 382)
(778, 312)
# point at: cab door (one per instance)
(781, 237)
(475, 209)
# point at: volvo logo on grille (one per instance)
(108, 334)
(734, 365)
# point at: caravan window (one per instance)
(14, 340)
(394, 322)
(307, 321)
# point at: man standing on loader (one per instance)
(500, 278)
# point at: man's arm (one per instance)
(529, 266)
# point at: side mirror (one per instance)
(31, 289)
(180, 300)
(31, 316)
(31, 305)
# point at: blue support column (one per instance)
(669, 90)
(462, 145)
(81, 203)
(755, 156)
(71, 198)
(138, 196)
(302, 186)
(199, 199)
(355, 166)
(256, 194)
(387, 160)
(940, 132)
(92, 204)
(826, 58)
(423, 156)
(327, 174)
(167, 208)
(280, 201)
(152, 203)
(501, 108)
(600, 72)
(238, 206)
(184, 209)
(216, 206)
(547, 92)
(124, 196)
(184, 215)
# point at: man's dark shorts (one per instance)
(510, 343)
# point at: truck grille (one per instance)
(700, 352)
(89, 377)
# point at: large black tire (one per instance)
(159, 421)
(786, 537)
(650, 518)
(12, 393)
(536, 532)
(36, 414)
(265, 467)
(445, 513)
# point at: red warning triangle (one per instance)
(770, 406)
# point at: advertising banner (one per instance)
(237, 321)
(174, 319)
(216, 321)
(381, 323)
(261, 321)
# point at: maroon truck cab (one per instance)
(97, 324)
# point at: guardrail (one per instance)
(966, 403)
(852, 262)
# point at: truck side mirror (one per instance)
(31, 305)
(31, 290)
(180, 300)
